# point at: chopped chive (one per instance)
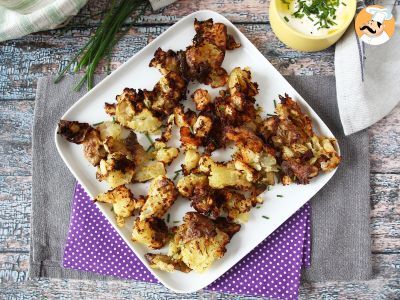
(344, 4)
(96, 124)
(149, 148)
(149, 138)
(168, 217)
(271, 115)
(274, 103)
(286, 19)
(265, 217)
(191, 130)
(112, 208)
(176, 222)
(280, 196)
(176, 174)
(258, 207)
(113, 119)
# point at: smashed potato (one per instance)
(162, 194)
(151, 232)
(116, 170)
(221, 175)
(82, 133)
(198, 242)
(165, 263)
(149, 170)
(123, 202)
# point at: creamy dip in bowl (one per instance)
(310, 25)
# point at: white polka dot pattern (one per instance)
(272, 269)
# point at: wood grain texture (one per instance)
(25, 60)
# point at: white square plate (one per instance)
(135, 73)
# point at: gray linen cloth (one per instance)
(340, 211)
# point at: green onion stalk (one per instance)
(103, 40)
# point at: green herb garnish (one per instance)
(265, 217)
(177, 173)
(112, 208)
(168, 217)
(176, 222)
(280, 196)
(286, 19)
(324, 11)
(96, 124)
(100, 45)
(274, 103)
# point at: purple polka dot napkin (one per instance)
(272, 269)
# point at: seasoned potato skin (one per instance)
(162, 194)
(166, 263)
(123, 201)
(198, 242)
(151, 232)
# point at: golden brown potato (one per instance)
(131, 112)
(116, 170)
(166, 94)
(149, 170)
(82, 133)
(240, 82)
(236, 205)
(123, 202)
(165, 263)
(191, 161)
(163, 153)
(221, 175)
(198, 242)
(165, 62)
(162, 194)
(202, 99)
(215, 33)
(187, 184)
(151, 232)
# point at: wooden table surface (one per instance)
(24, 60)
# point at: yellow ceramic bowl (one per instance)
(300, 41)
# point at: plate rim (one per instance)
(124, 65)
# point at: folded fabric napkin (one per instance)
(272, 269)
(340, 215)
(367, 76)
(22, 17)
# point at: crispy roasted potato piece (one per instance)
(151, 232)
(123, 202)
(202, 99)
(166, 263)
(93, 148)
(198, 242)
(165, 62)
(187, 184)
(202, 59)
(204, 200)
(73, 131)
(167, 94)
(116, 170)
(131, 112)
(244, 138)
(82, 133)
(214, 33)
(163, 153)
(191, 161)
(226, 226)
(149, 170)
(240, 82)
(221, 175)
(303, 153)
(162, 194)
(236, 205)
